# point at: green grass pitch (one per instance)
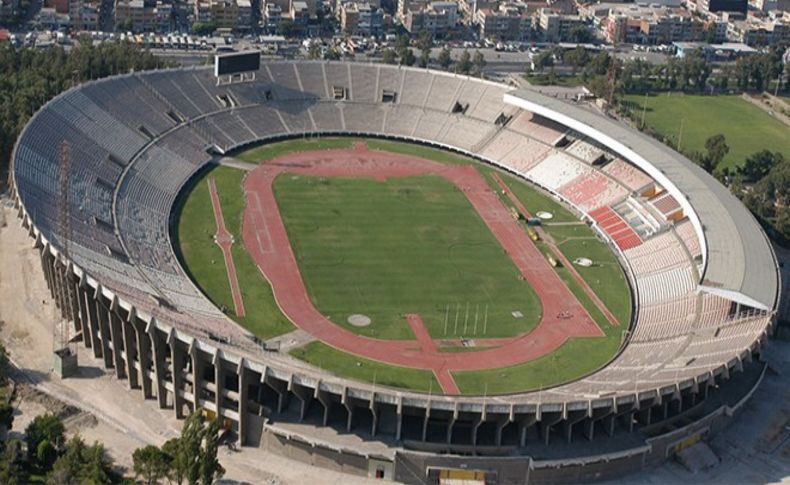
(352, 367)
(747, 128)
(407, 245)
(203, 258)
(203, 261)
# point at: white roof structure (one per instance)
(739, 262)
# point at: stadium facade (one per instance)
(703, 275)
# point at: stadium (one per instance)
(212, 242)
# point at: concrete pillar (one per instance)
(281, 388)
(451, 423)
(545, 426)
(143, 357)
(117, 341)
(609, 423)
(425, 422)
(93, 322)
(74, 300)
(58, 279)
(104, 329)
(598, 415)
(197, 373)
(523, 425)
(374, 412)
(572, 418)
(304, 396)
(326, 403)
(158, 344)
(130, 353)
(399, 418)
(475, 427)
(219, 380)
(500, 426)
(176, 370)
(46, 266)
(84, 318)
(244, 382)
(349, 410)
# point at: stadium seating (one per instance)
(556, 170)
(627, 174)
(127, 179)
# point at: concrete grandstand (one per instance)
(703, 275)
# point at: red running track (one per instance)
(265, 236)
(224, 240)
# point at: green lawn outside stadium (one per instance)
(747, 128)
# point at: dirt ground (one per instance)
(94, 403)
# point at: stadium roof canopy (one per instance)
(739, 262)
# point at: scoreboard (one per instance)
(236, 63)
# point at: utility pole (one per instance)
(64, 351)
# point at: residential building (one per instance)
(508, 22)
(773, 30)
(556, 27)
(272, 16)
(361, 19)
(83, 15)
(139, 15)
(437, 18)
(300, 13)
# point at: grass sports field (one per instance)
(405, 245)
(705, 116)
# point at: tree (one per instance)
(194, 453)
(12, 467)
(6, 415)
(402, 43)
(204, 28)
(314, 50)
(425, 43)
(576, 58)
(30, 77)
(758, 165)
(444, 58)
(46, 427)
(580, 33)
(80, 463)
(389, 56)
(46, 454)
(543, 60)
(286, 27)
(717, 149)
(464, 65)
(3, 366)
(151, 464)
(332, 54)
(478, 63)
(407, 58)
(175, 470)
(210, 469)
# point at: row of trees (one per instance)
(693, 72)
(191, 458)
(762, 182)
(403, 53)
(30, 77)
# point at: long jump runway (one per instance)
(563, 315)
